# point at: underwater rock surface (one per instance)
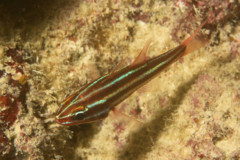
(50, 49)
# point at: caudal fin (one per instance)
(192, 43)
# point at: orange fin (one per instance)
(119, 113)
(189, 39)
(142, 55)
(192, 43)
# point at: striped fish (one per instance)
(94, 101)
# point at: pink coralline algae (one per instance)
(235, 48)
(10, 100)
(216, 12)
(213, 10)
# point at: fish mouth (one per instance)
(57, 120)
(64, 122)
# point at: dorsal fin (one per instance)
(140, 58)
(142, 55)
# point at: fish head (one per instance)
(74, 110)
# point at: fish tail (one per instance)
(192, 43)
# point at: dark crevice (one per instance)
(28, 18)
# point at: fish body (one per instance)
(95, 100)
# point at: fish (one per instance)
(94, 101)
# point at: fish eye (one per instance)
(79, 116)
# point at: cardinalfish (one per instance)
(94, 101)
